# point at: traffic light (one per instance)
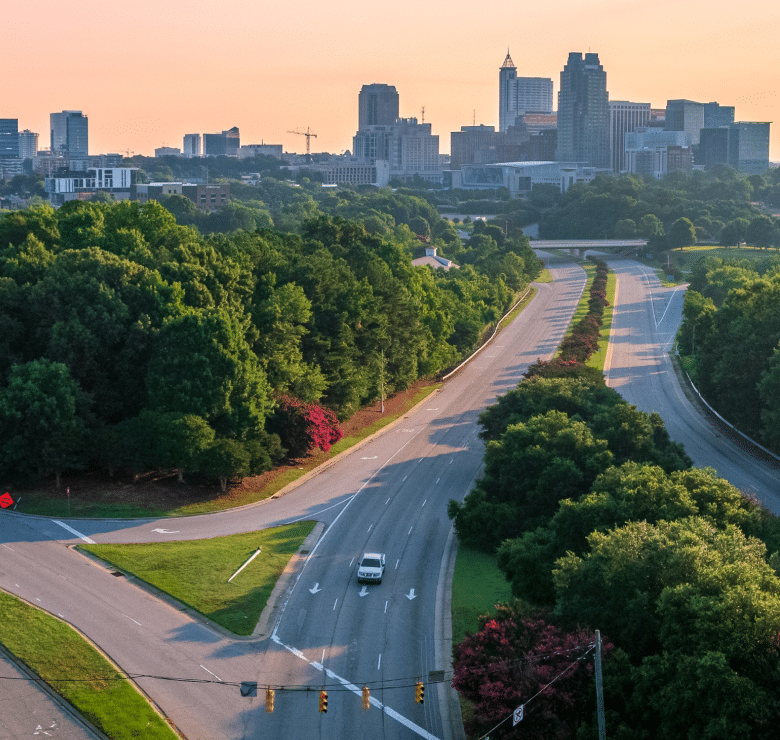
(324, 702)
(419, 692)
(366, 698)
(269, 699)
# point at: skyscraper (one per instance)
(624, 117)
(583, 112)
(28, 144)
(69, 133)
(9, 138)
(519, 95)
(377, 106)
(685, 115)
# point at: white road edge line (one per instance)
(359, 692)
(379, 662)
(213, 674)
(76, 532)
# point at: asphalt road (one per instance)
(644, 324)
(390, 495)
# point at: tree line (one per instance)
(600, 522)
(132, 342)
(716, 206)
(731, 336)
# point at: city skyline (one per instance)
(147, 75)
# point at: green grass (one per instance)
(53, 649)
(477, 586)
(196, 572)
(544, 277)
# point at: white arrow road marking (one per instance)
(363, 592)
(166, 531)
(314, 589)
(411, 595)
(422, 732)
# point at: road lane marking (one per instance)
(334, 604)
(322, 660)
(208, 671)
(369, 527)
(386, 603)
(379, 662)
(369, 458)
(139, 624)
(404, 478)
(437, 481)
(330, 527)
(396, 563)
(76, 532)
(351, 561)
(410, 529)
(422, 732)
(8, 548)
(425, 502)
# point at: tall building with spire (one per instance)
(583, 112)
(520, 95)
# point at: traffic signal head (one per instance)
(366, 698)
(269, 699)
(324, 702)
(419, 692)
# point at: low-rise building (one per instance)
(83, 184)
(519, 177)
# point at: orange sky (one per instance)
(148, 72)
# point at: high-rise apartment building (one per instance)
(685, 115)
(749, 147)
(409, 147)
(69, 133)
(519, 95)
(377, 105)
(624, 117)
(583, 112)
(225, 144)
(716, 115)
(191, 146)
(9, 138)
(28, 144)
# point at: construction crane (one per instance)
(308, 134)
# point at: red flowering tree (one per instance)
(511, 661)
(303, 427)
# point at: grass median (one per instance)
(79, 672)
(196, 572)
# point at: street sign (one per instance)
(517, 715)
(6, 500)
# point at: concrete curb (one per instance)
(285, 584)
(64, 706)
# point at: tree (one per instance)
(202, 365)
(511, 660)
(303, 427)
(225, 459)
(762, 232)
(40, 426)
(682, 234)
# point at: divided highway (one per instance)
(390, 495)
(644, 325)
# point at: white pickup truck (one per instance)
(371, 567)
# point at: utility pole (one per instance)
(599, 688)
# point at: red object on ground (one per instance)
(6, 500)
